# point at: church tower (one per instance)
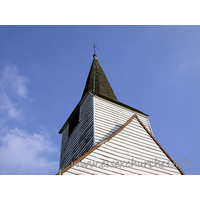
(105, 136)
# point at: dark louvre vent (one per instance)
(73, 122)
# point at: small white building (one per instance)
(105, 136)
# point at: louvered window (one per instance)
(74, 121)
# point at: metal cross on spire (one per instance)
(94, 47)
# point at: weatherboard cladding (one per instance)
(119, 103)
(129, 142)
(81, 138)
(99, 119)
(109, 116)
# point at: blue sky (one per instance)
(43, 70)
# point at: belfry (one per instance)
(104, 136)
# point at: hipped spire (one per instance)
(97, 81)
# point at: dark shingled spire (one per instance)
(97, 81)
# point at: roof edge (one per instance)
(160, 146)
(119, 103)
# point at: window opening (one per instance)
(73, 122)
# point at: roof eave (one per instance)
(119, 103)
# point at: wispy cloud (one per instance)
(13, 89)
(22, 151)
(8, 107)
(25, 153)
(11, 79)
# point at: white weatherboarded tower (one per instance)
(105, 136)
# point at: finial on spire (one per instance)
(95, 56)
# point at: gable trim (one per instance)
(110, 137)
(160, 146)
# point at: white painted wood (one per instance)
(114, 151)
(79, 172)
(108, 116)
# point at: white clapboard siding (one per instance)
(109, 116)
(82, 138)
(114, 152)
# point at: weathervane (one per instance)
(94, 47)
